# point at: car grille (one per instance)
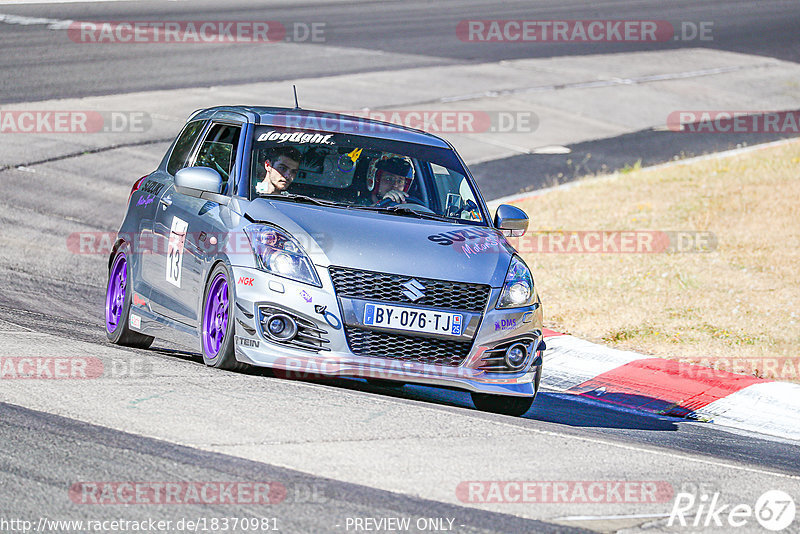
(387, 287)
(407, 348)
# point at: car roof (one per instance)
(322, 121)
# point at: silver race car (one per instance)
(327, 245)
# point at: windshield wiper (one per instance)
(401, 209)
(303, 198)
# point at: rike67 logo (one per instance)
(774, 511)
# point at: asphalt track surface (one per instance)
(369, 36)
(58, 447)
(47, 290)
(423, 31)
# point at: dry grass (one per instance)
(741, 301)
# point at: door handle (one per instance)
(166, 201)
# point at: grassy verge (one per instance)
(736, 307)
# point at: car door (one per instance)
(185, 228)
(179, 156)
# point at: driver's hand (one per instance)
(396, 196)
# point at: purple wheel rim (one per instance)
(215, 316)
(115, 292)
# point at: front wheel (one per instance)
(217, 322)
(118, 306)
(502, 404)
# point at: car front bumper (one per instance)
(319, 310)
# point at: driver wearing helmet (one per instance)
(393, 179)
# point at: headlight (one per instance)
(276, 252)
(518, 287)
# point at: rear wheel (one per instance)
(502, 404)
(118, 306)
(217, 322)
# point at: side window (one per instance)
(183, 146)
(455, 194)
(218, 150)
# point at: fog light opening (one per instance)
(280, 327)
(516, 355)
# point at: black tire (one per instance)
(225, 358)
(122, 334)
(502, 404)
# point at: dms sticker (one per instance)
(505, 324)
(296, 137)
(136, 321)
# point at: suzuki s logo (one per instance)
(413, 290)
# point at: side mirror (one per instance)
(200, 182)
(512, 220)
(198, 178)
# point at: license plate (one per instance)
(424, 321)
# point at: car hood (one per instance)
(389, 243)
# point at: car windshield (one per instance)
(362, 173)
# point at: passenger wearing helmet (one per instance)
(393, 179)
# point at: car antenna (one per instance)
(296, 105)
